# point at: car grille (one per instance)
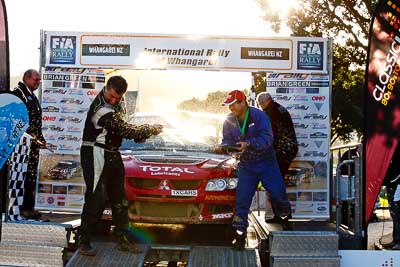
(145, 183)
(164, 210)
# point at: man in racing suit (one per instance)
(250, 129)
(103, 170)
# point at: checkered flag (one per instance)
(18, 170)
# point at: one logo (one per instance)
(321, 208)
(164, 185)
(92, 93)
(318, 98)
(310, 55)
(62, 49)
(49, 118)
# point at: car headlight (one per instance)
(231, 183)
(221, 184)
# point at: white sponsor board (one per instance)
(159, 51)
(369, 258)
(307, 98)
(66, 96)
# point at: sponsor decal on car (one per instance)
(165, 170)
(222, 216)
(184, 193)
(219, 198)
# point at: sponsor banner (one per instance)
(371, 258)
(307, 98)
(149, 51)
(66, 96)
(381, 98)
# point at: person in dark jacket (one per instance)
(250, 129)
(25, 91)
(102, 166)
(285, 141)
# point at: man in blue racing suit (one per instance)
(250, 129)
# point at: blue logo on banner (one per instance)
(14, 121)
(310, 55)
(62, 49)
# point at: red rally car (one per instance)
(176, 178)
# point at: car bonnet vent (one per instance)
(169, 159)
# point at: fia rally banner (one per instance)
(149, 51)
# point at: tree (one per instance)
(347, 22)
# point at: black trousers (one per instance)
(394, 211)
(31, 179)
(111, 184)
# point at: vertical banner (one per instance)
(66, 96)
(4, 62)
(307, 98)
(381, 102)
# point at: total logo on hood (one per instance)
(165, 170)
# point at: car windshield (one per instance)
(64, 165)
(183, 131)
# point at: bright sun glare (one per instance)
(283, 6)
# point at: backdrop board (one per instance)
(66, 96)
(307, 98)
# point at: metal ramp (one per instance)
(107, 256)
(222, 257)
(196, 256)
(32, 244)
(304, 248)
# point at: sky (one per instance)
(26, 18)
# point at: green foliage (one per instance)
(347, 23)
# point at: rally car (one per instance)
(172, 179)
(64, 170)
(297, 176)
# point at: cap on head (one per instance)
(233, 97)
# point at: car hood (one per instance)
(181, 164)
